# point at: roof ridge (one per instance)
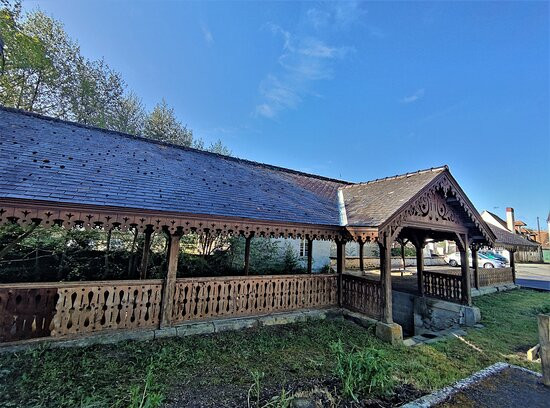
(404, 175)
(161, 143)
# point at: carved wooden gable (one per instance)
(443, 205)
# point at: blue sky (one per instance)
(348, 90)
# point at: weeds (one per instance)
(145, 398)
(256, 388)
(362, 371)
(104, 375)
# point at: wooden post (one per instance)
(361, 256)
(385, 278)
(465, 270)
(247, 254)
(340, 267)
(513, 265)
(145, 255)
(544, 341)
(169, 289)
(420, 267)
(309, 255)
(403, 256)
(475, 264)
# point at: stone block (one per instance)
(235, 324)
(283, 318)
(533, 353)
(165, 332)
(472, 315)
(389, 332)
(191, 329)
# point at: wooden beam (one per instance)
(475, 264)
(247, 254)
(420, 267)
(385, 278)
(169, 289)
(465, 270)
(145, 254)
(309, 255)
(513, 265)
(361, 256)
(340, 267)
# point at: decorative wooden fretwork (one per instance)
(362, 295)
(205, 298)
(432, 207)
(59, 309)
(88, 217)
(443, 286)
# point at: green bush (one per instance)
(361, 372)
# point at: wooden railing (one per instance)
(33, 310)
(443, 285)
(362, 295)
(203, 298)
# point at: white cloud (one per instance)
(207, 34)
(303, 59)
(414, 97)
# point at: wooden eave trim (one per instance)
(451, 179)
(90, 216)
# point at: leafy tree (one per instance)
(220, 148)
(42, 70)
(161, 124)
(129, 115)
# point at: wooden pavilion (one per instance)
(54, 172)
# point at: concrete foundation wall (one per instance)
(403, 306)
(434, 315)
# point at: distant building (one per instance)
(509, 237)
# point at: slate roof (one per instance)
(370, 204)
(53, 160)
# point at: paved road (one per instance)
(536, 276)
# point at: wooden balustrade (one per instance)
(443, 286)
(362, 295)
(204, 298)
(33, 310)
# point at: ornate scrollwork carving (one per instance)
(432, 207)
(123, 219)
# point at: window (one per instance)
(303, 248)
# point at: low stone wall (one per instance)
(182, 330)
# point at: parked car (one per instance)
(494, 255)
(483, 260)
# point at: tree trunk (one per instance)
(17, 240)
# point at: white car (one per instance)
(482, 260)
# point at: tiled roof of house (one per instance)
(508, 239)
(53, 160)
(370, 204)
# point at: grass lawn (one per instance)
(220, 369)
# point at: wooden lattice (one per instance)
(60, 309)
(495, 276)
(362, 295)
(204, 298)
(443, 286)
